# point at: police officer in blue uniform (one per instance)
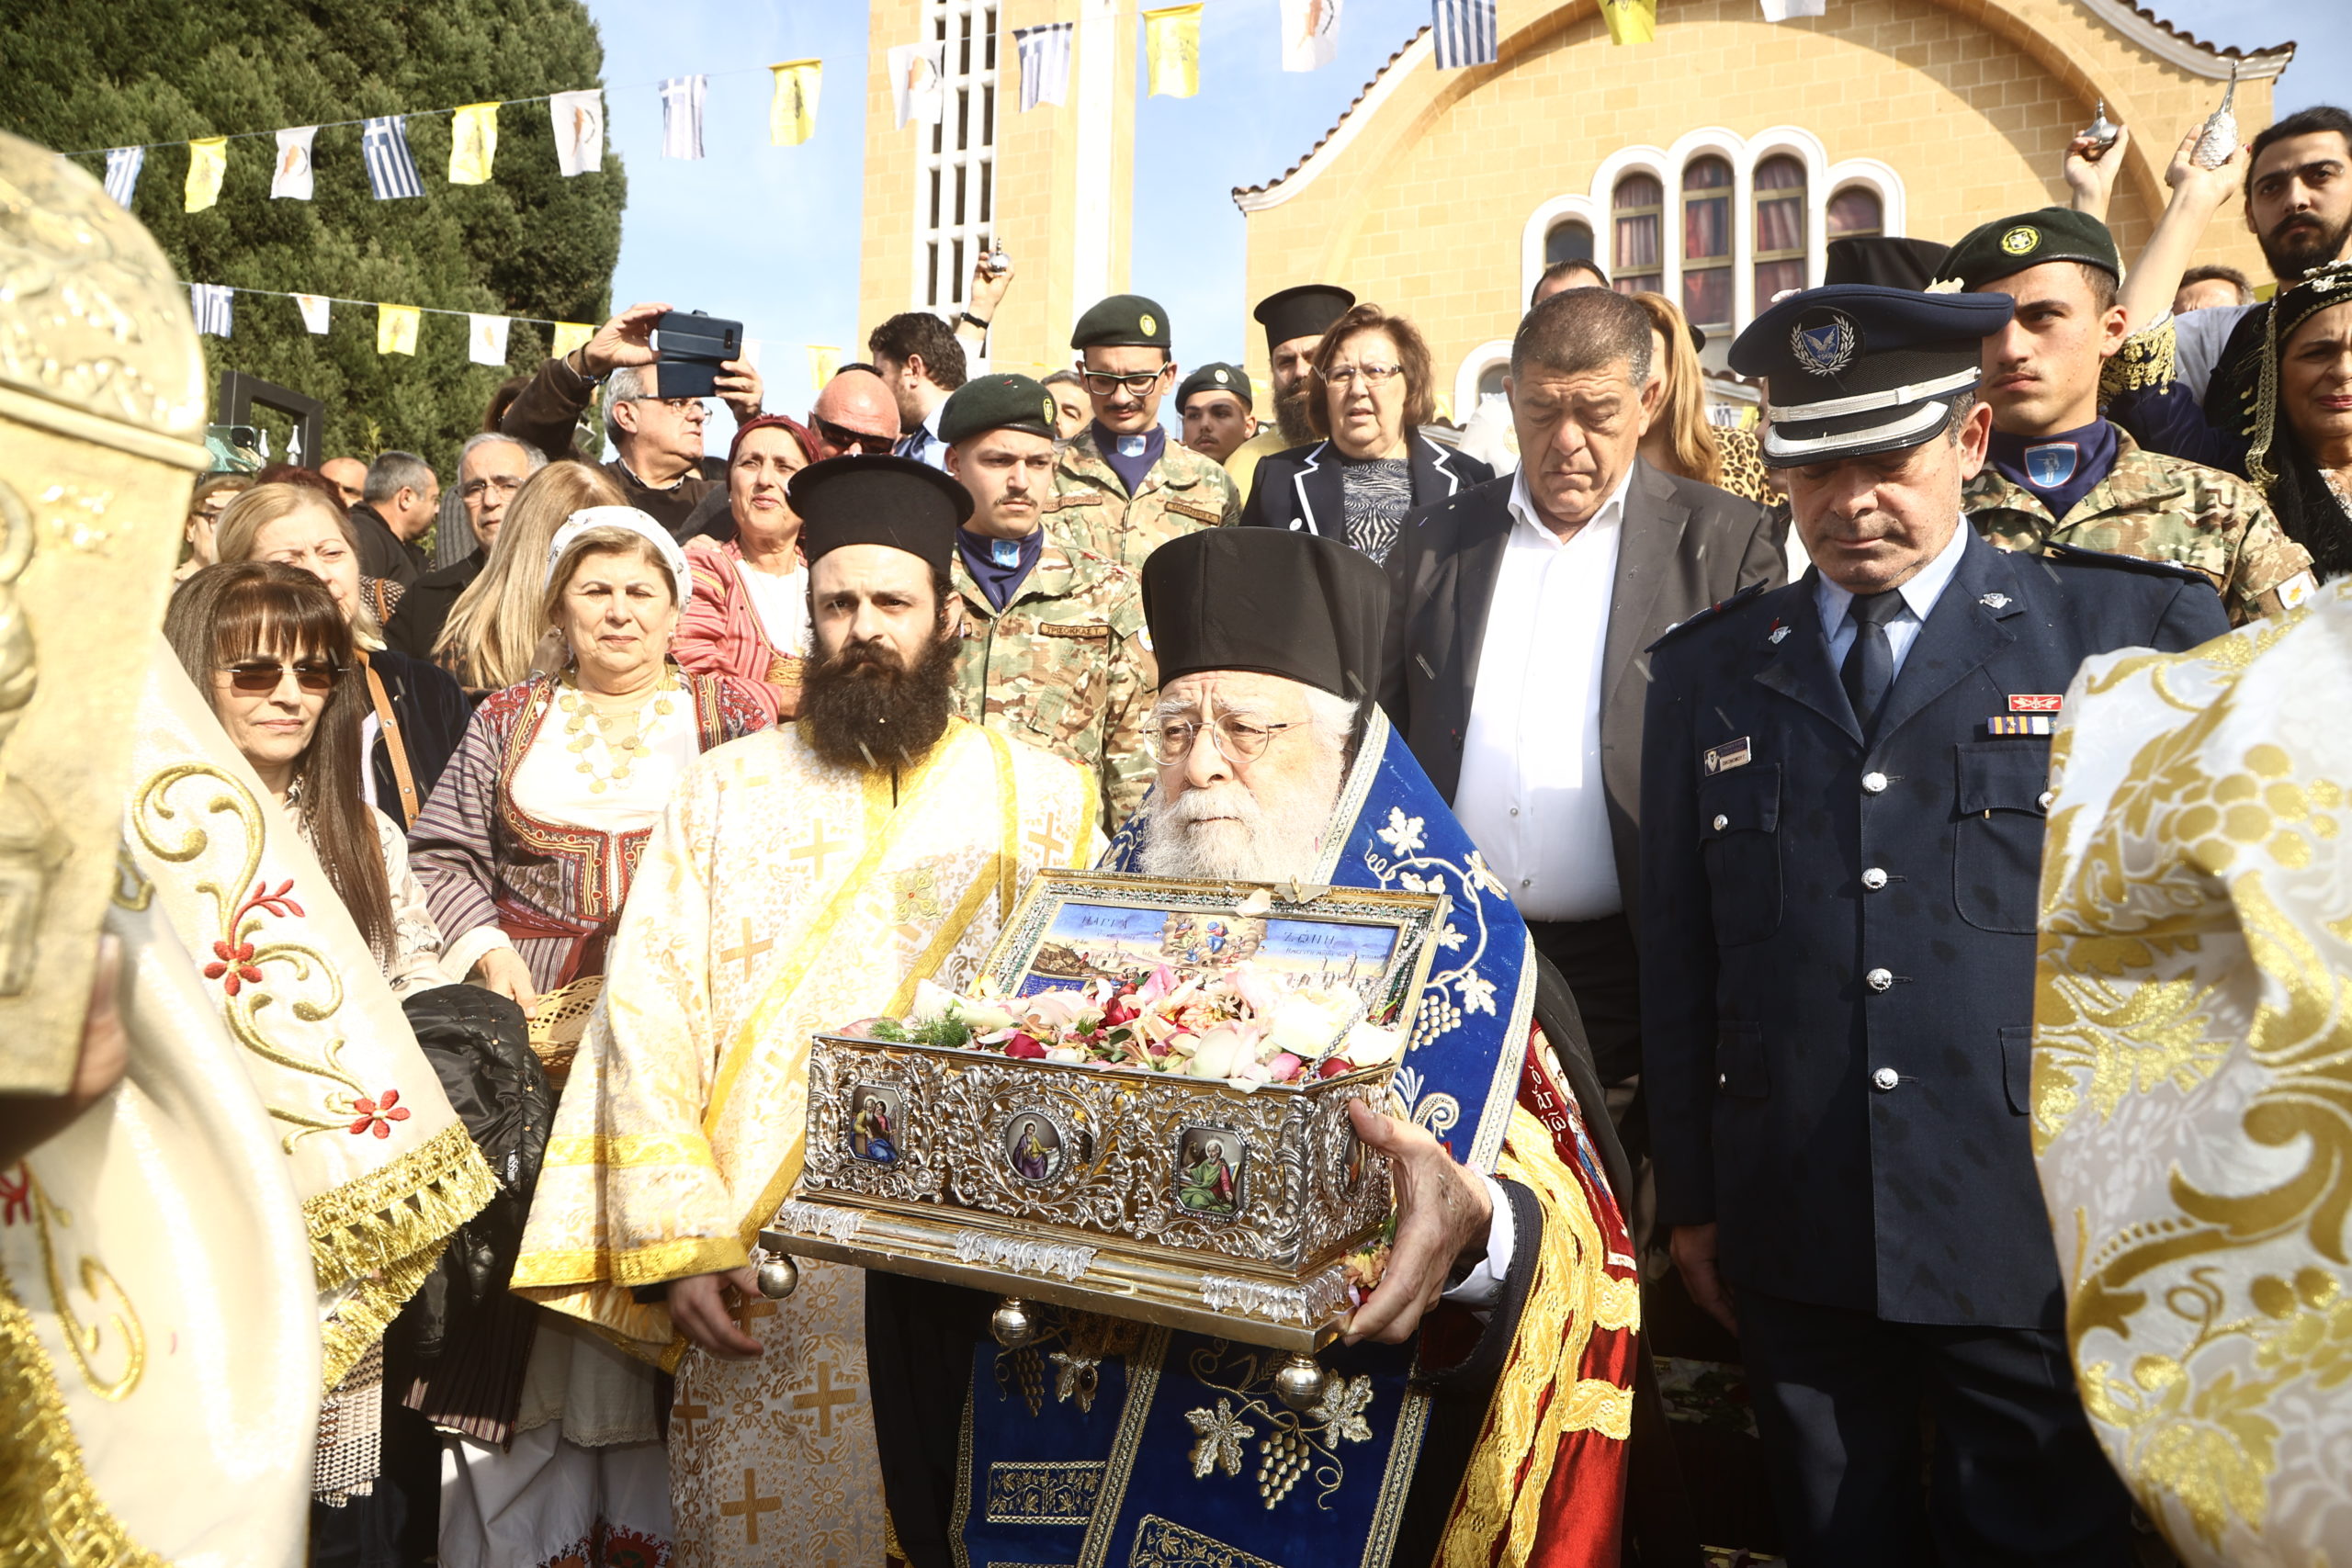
(1843, 789)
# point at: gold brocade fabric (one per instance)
(778, 896)
(2193, 1078)
(383, 1168)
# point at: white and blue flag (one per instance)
(391, 172)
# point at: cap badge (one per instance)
(1222, 377)
(1050, 409)
(1145, 324)
(1825, 349)
(2021, 240)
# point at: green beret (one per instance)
(1124, 321)
(2006, 246)
(997, 402)
(1215, 377)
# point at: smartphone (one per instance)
(691, 346)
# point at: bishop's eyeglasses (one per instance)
(1240, 739)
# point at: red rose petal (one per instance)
(1333, 1066)
(1023, 1046)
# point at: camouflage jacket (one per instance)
(1067, 665)
(2159, 507)
(1093, 511)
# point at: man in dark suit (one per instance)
(1513, 664)
(1844, 784)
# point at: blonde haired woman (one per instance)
(497, 633)
(1681, 441)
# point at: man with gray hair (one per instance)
(1518, 613)
(397, 506)
(658, 441)
(491, 467)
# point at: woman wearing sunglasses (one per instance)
(1371, 393)
(270, 648)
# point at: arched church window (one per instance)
(1635, 211)
(1568, 240)
(1779, 226)
(1855, 212)
(1706, 243)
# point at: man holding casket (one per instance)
(1483, 1394)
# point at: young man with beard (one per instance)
(2056, 471)
(1296, 320)
(1052, 649)
(793, 884)
(1510, 1266)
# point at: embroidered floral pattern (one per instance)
(17, 1195)
(1294, 1447)
(1222, 1435)
(376, 1115)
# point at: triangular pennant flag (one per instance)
(1629, 21)
(792, 116)
(473, 145)
(1782, 10)
(1310, 33)
(1045, 63)
(824, 364)
(486, 339)
(123, 164)
(291, 180)
(578, 130)
(211, 303)
(207, 160)
(391, 172)
(1172, 45)
(917, 95)
(570, 335)
(681, 116)
(314, 311)
(1465, 32)
(396, 329)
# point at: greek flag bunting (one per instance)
(123, 164)
(1045, 63)
(214, 307)
(681, 116)
(391, 172)
(1465, 32)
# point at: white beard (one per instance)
(1224, 833)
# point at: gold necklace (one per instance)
(592, 729)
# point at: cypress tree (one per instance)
(96, 73)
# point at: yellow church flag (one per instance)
(1171, 44)
(396, 329)
(207, 160)
(570, 335)
(824, 364)
(792, 116)
(473, 143)
(1631, 21)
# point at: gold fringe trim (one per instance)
(2146, 359)
(383, 1232)
(51, 1514)
(1539, 1399)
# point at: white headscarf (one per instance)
(628, 517)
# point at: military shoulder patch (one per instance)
(2074, 555)
(1706, 616)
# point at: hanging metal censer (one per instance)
(2100, 134)
(2219, 139)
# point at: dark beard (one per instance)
(2292, 256)
(862, 708)
(1290, 415)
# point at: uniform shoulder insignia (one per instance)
(1706, 616)
(2074, 555)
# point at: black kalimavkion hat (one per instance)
(1266, 599)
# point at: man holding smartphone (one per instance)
(658, 441)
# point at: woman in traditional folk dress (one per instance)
(527, 848)
(749, 613)
(2302, 398)
(497, 634)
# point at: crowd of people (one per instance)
(688, 756)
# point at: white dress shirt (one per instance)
(1530, 795)
(1919, 596)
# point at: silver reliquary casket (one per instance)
(1223, 1204)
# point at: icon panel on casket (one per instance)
(878, 1114)
(1036, 1148)
(1210, 1164)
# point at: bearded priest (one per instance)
(805, 875)
(1478, 1407)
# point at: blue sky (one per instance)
(769, 235)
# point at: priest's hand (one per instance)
(1443, 1212)
(1695, 1256)
(699, 1307)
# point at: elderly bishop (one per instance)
(1479, 1409)
(804, 875)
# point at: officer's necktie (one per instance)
(1869, 669)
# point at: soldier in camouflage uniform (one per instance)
(1123, 489)
(2056, 471)
(1054, 649)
